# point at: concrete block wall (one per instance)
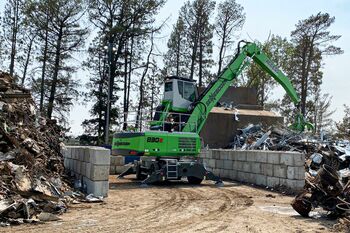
(90, 165)
(267, 168)
(117, 165)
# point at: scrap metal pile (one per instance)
(254, 137)
(31, 165)
(327, 182)
(327, 167)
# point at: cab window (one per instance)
(189, 92)
(180, 85)
(168, 87)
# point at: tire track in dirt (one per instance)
(220, 202)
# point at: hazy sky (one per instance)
(278, 17)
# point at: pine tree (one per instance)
(199, 34)
(312, 40)
(230, 18)
(278, 50)
(12, 29)
(176, 58)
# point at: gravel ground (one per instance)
(181, 207)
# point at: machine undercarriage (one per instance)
(153, 170)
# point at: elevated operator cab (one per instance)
(180, 92)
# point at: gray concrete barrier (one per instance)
(267, 168)
(117, 165)
(90, 165)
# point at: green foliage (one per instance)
(278, 49)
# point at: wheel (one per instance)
(194, 180)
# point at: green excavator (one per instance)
(169, 150)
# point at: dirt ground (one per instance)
(181, 207)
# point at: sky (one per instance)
(262, 18)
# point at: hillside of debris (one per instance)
(31, 165)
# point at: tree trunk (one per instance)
(200, 62)
(14, 38)
(222, 46)
(27, 59)
(43, 71)
(55, 73)
(178, 55)
(125, 117)
(139, 113)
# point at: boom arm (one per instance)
(216, 90)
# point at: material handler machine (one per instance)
(169, 150)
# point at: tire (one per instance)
(194, 180)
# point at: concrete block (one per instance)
(74, 165)
(88, 169)
(99, 156)
(68, 152)
(228, 164)
(210, 154)
(261, 157)
(117, 160)
(219, 163)
(251, 178)
(283, 182)
(299, 159)
(98, 188)
(266, 169)
(99, 172)
(238, 165)
(211, 163)
(78, 166)
(216, 171)
(250, 155)
(260, 179)
(70, 164)
(256, 168)
(241, 155)
(86, 154)
(75, 153)
(72, 151)
(216, 154)
(272, 181)
(301, 173)
(226, 174)
(287, 158)
(224, 155)
(295, 173)
(273, 157)
(242, 176)
(83, 168)
(247, 167)
(232, 155)
(232, 174)
(112, 170)
(80, 153)
(220, 172)
(280, 171)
